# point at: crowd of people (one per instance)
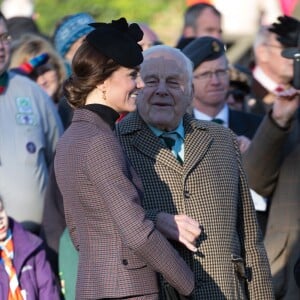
(130, 169)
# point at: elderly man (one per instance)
(192, 174)
(272, 162)
(272, 71)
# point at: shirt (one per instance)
(178, 148)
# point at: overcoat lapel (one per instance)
(150, 145)
(201, 143)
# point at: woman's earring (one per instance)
(104, 95)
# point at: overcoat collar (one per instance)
(197, 141)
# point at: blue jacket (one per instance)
(33, 270)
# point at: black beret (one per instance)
(204, 49)
(183, 42)
(118, 41)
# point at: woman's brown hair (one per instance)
(89, 68)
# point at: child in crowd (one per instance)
(25, 274)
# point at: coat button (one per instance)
(125, 262)
(186, 194)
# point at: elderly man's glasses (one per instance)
(220, 74)
(5, 37)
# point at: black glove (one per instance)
(287, 30)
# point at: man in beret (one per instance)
(211, 84)
(192, 174)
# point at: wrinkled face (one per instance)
(211, 82)
(277, 67)
(122, 88)
(3, 223)
(166, 95)
(208, 24)
(49, 82)
(4, 47)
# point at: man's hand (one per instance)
(285, 105)
(179, 228)
(244, 143)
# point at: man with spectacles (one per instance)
(272, 71)
(29, 127)
(211, 86)
(272, 162)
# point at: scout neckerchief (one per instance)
(7, 251)
(3, 82)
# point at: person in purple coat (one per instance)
(24, 271)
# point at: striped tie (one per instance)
(14, 292)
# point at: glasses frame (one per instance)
(5, 37)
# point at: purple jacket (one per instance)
(33, 270)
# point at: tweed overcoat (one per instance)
(210, 187)
(118, 247)
(273, 167)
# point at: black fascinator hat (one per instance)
(118, 41)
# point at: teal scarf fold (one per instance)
(3, 82)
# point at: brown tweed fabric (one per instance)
(118, 247)
(210, 187)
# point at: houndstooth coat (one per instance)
(118, 248)
(211, 187)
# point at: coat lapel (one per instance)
(150, 145)
(196, 144)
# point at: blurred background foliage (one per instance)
(163, 16)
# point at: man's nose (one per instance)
(161, 89)
(214, 78)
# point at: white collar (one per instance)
(268, 83)
(223, 115)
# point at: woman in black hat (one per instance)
(119, 249)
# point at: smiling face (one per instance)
(3, 222)
(167, 94)
(121, 89)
